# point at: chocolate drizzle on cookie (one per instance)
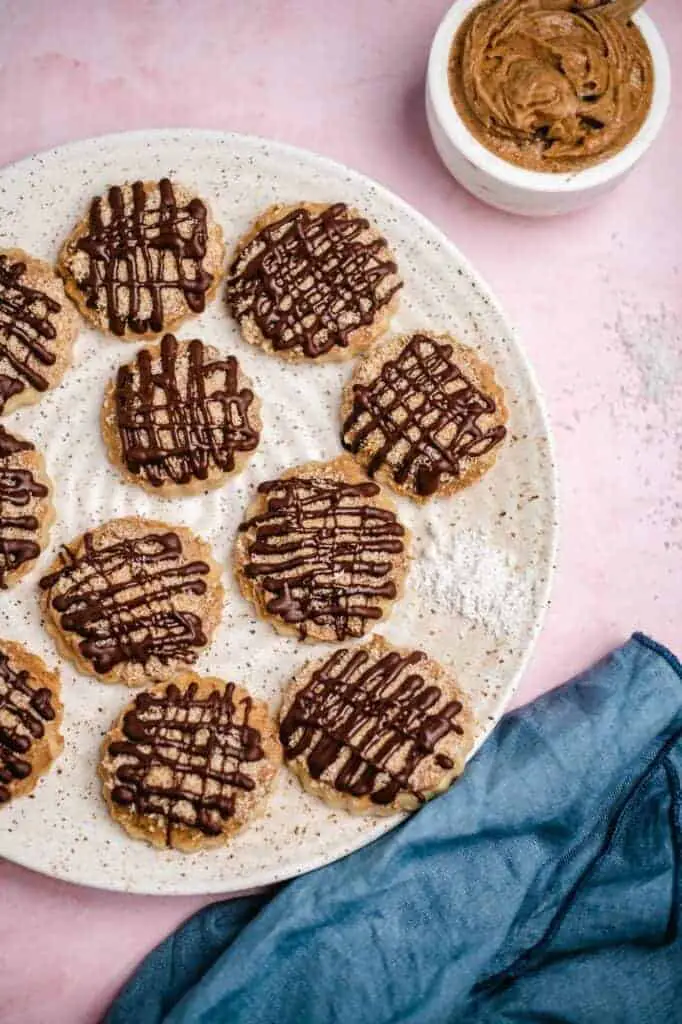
(422, 415)
(18, 488)
(309, 281)
(324, 553)
(180, 415)
(365, 724)
(24, 711)
(26, 329)
(183, 756)
(120, 599)
(139, 248)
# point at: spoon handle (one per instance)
(623, 9)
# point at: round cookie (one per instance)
(26, 511)
(38, 326)
(423, 414)
(133, 601)
(375, 728)
(30, 720)
(145, 257)
(321, 553)
(180, 418)
(189, 763)
(313, 281)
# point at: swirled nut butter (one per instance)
(550, 85)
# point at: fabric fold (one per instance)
(545, 885)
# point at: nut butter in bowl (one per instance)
(540, 106)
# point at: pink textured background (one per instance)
(345, 78)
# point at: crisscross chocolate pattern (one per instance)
(119, 599)
(310, 280)
(364, 723)
(139, 250)
(183, 757)
(324, 553)
(182, 415)
(18, 488)
(26, 330)
(422, 415)
(24, 710)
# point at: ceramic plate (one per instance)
(480, 576)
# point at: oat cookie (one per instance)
(424, 415)
(313, 281)
(38, 326)
(26, 511)
(145, 257)
(30, 719)
(180, 418)
(375, 728)
(189, 763)
(133, 601)
(321, 553)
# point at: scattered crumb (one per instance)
(652, 341)
(465, 573)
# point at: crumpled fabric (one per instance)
(545, 886)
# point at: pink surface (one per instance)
(597, 298)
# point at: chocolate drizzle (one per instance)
(422, 416)
(324, 554)
(179, 416)
(120, 599)
(364, 724)
(18, 488)
(139, 248)
(183, 755)
(25, 329)
(310, 280)
(23, 713)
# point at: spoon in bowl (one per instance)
(622, 9)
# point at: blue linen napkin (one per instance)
(545, 886)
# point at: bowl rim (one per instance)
(509, 174)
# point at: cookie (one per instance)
(375, 728)
(424, 415)
(38, 326)
(133, 601)
(26, 511)
(321, 553)
(146, 256)
(180, 418)
(313, 281)
(189, 763)
(30, 720)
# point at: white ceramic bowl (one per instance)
(511, 188)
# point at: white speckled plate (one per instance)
(479, 584)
